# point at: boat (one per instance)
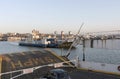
(36, 64)
(46, 43)
(65, 45)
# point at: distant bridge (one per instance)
(114, 32)
(103, 34)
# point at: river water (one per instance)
(103, 51)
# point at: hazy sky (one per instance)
(48, 16)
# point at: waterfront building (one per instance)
(14, 38)
(35, 34)
(1, 34)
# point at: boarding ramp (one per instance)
(28, 65)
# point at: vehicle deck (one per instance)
(15, 64)
(83, 74)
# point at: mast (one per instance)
(75, 39)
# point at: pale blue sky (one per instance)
(48, 16)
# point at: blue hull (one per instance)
(39, 45)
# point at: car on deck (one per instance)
(57, 74)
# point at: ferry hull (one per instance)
(39, 45)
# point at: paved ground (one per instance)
(83, 74)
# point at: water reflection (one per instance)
(107, 44)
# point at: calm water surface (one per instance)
(103, 51)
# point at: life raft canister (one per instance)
(119, 68)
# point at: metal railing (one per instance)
(31, 70)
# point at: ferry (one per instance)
(46, 43)
(40, 43)
(45, 64)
